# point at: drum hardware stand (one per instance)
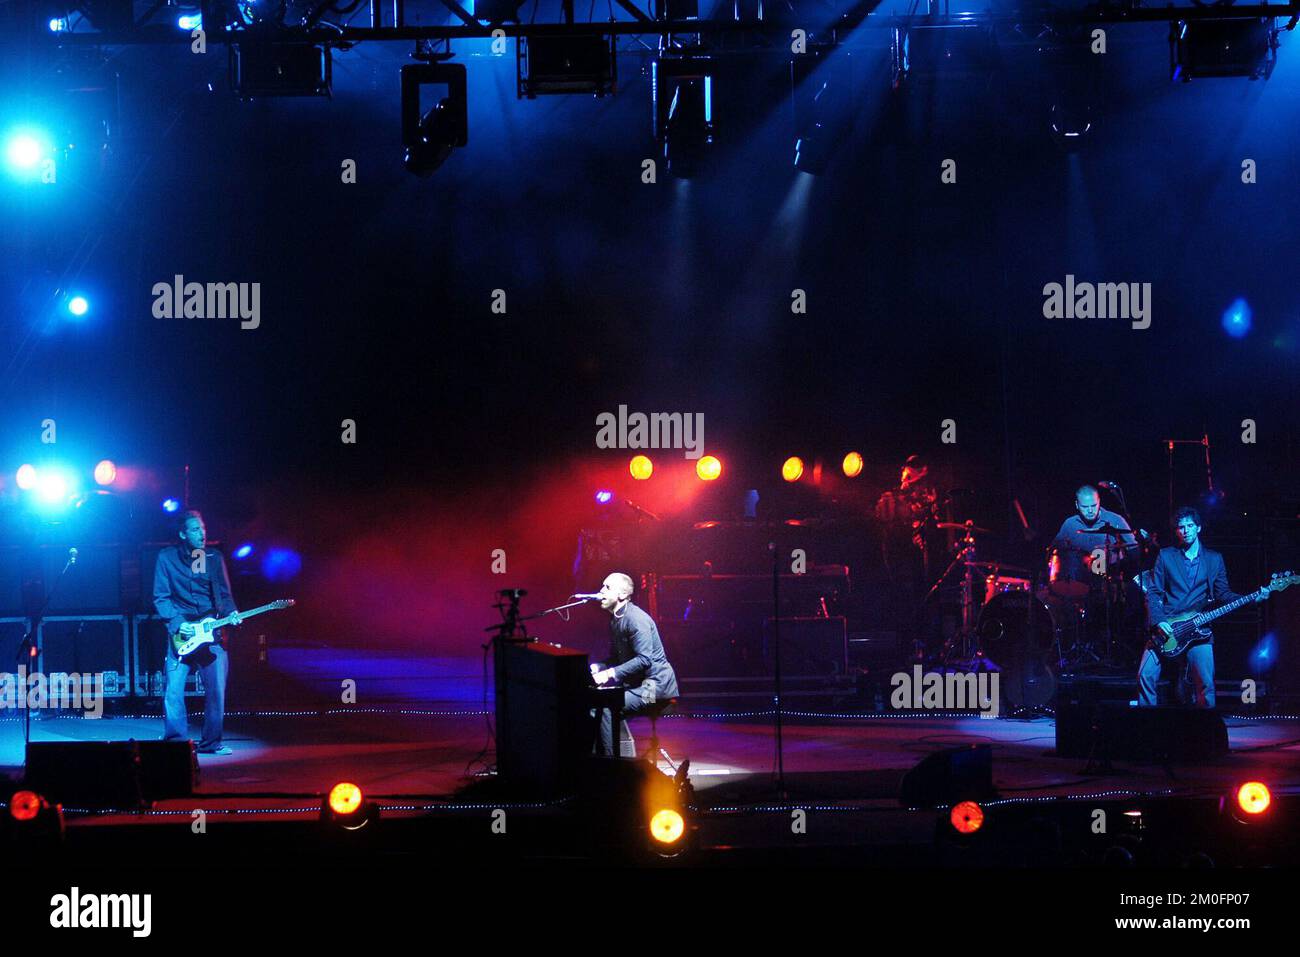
(964, 648)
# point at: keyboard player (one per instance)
(636, 660)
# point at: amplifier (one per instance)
(809, 646)
(87, 645)
(16, 566)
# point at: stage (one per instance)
(416, 758)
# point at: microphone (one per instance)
(587, 597)
(72, 556)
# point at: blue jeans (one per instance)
(213, 665)
(634, 703)
(1199, 666)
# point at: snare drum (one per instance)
(1063, 569)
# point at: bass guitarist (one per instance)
(1186, 578)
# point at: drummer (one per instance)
(1091, 527)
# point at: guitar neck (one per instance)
(1209, 616)
(247, 614)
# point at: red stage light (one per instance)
(641, 467)
(105, 472)
(345, 798)
(25, 805)
(708, 468)
(967, 817)
(853, 464)
(792, 469)
(1254, 797)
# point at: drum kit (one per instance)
(1078, 614)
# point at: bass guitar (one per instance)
(1189, 626)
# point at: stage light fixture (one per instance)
(816, 88)
(1240, 46)
(852, 464)
(243, 551)
(681, 90)
(346, 807)
(78, 306)
(548, 65)
(667, 826)
(170, 505)
(58, 24)
(105, 472)
(641, 467)
(966, 817)
(259, 68)
(26, 805)
(604, 496)
(26, 477)
(950, 50)
(281, 564)
(708, 468)
(792, 469)
(1253, 799)
(33, 821)
(190, 22)
(52, 487)
(430, 137)
(1237, 318)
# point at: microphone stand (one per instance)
(776, 660)
(27, 650)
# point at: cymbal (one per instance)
(1105, 529)
(961, 526)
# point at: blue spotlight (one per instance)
(23, 151)
(170, 505)
(190, 21)
(1264, 655)
(243, 551)
(78, 306)
(58, 24)
(281, 564)
(604, 496)
(1236, 318)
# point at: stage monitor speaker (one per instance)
(111, 774)
(92, 585)
(1112, 729)
(949, 776)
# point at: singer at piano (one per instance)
(186, 590)
(636, 660)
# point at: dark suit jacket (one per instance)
(180, 594)
(636, 652)
(1172, 592)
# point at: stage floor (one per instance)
(406, 755)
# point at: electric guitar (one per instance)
(1189, 626)
(204, 628)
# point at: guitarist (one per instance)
(1185, 578)
(190, 583)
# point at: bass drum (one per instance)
(1019, 634)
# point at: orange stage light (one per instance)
(641, 467)
(792, 469)
(708, 468)
(967, 817)
(853, 464)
